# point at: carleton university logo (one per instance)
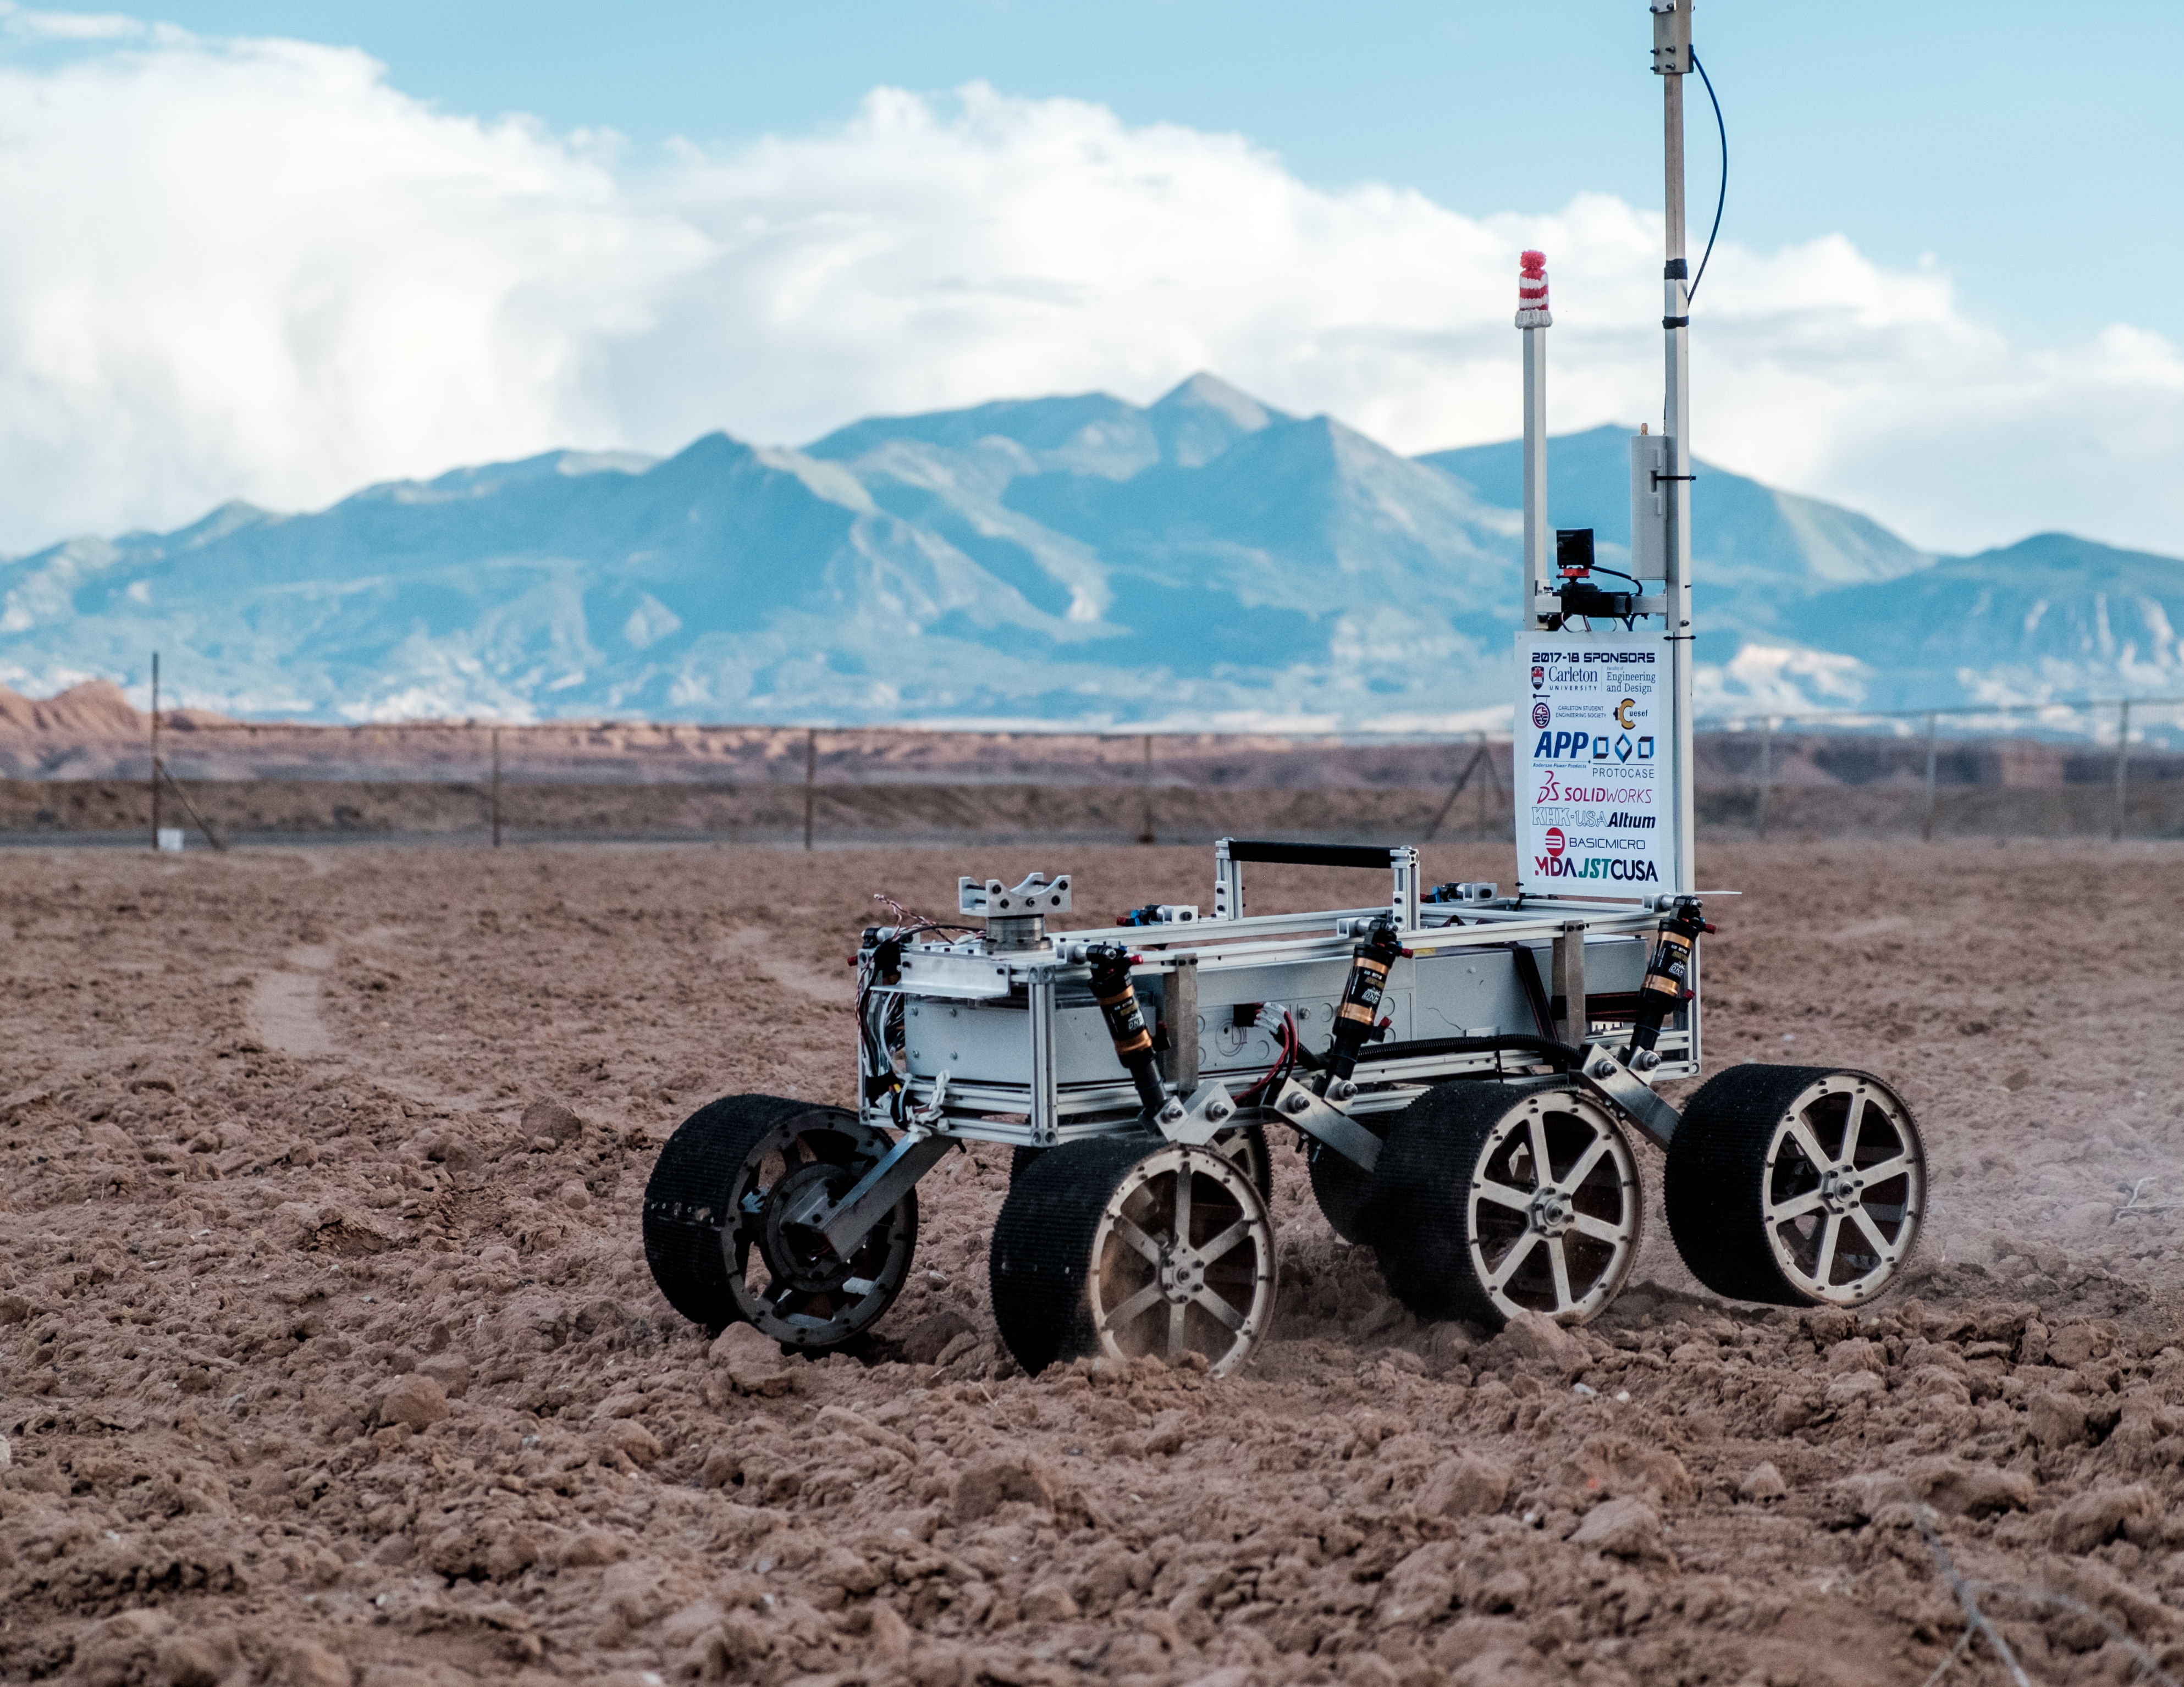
(1539, 678)
(1555, 841)
(1541, 713)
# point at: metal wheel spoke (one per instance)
(1796, 1207)
(1559, 1262)
(1175, 1331)
(1864, 1222)
(1598, 1228)
(1182, 1204)
(1809, 1145)
(1136, 1240)
(1220, 1309)
(1502, 1195)
(1223, 1242)
(1543, 1167)
(1886, 1169)
(1823, 1268)
(1136, 1307)
(1586, 1161)
(1851, 1127)
(1513, 1259)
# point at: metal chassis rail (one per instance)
(1034, 1114)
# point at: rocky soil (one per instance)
(328, 1354)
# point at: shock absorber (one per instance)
(1125, 1021)
(1668, 979)
(1358, 1021)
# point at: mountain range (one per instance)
(1206, 559)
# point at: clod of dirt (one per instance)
(196, 1660)
(1972, 1490)
(1424, 1585)
(1623, 1528)
(1528, 1338)
(551, 1122)
(1468, 1485)
(413, 1400)
(1763, 1482)
(752, 1361)
(2090, 1519)
(1618, 1467)
(925, 1341)
(633, 1441)
(2074, 1344)
(594, 1547)
(985, 1487)
(1048, 1602)
(6, 1457)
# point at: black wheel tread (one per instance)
(1042, 1246)
(689, 1181)
(1342, 1187)
(1418, 1212)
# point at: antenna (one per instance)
(1672, 63)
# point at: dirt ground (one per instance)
(328, 1354)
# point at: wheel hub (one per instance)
(1182, 1273)
(798, 1252)
(1551, 1211)
(1841, 1191)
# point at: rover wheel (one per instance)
(1487, 1203)
(1341, 1186)
(1245, 1144)
(1130, 1245)
(1795, 1185)
(720, 1229)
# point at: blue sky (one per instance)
(277, 252)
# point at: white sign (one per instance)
(1595, 802)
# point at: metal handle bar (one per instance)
(1311, 855)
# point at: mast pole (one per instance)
(155, 751)
(1672, 63)
(1534, 319)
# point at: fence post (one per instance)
(2123, 759)
(496, 788)
(810, 779)
(155, 752)
(1933, 725)
(1766, 767)
(1145, 830)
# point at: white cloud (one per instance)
(254, 268)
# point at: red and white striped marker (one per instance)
(1532, 292)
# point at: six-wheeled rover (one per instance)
(1464, 1071)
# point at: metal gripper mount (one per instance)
(1016, 918)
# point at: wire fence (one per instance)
(2089, 768)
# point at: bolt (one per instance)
(1295, 1103)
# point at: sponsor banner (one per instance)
(1595, 804)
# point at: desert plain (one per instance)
(328, 1354)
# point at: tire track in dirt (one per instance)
(284, 1005)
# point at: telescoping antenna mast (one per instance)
(1672, 63)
